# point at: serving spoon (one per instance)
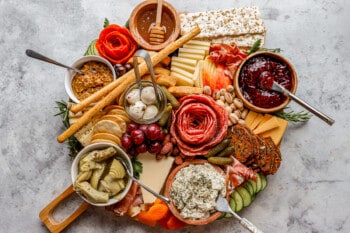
(279, 88)
(267, 82)
(165, 199)
(36, 55)
(223, 206)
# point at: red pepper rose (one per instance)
(116, 44)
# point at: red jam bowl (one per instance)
(247, 81)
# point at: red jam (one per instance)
(256, 78)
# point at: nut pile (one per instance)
(233, 105)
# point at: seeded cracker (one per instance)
(242, 26)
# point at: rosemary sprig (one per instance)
(73, 143)
(294, 117)
(255, 47)
(275, 50)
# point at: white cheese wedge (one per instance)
(154, 173)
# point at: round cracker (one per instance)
(116, 119)
(107, 126)
(106, 136)
(113, 106)
(104, 140)
(116, 112)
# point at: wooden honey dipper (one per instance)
(157, 32)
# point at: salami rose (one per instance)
(198, 124)
(116, 44)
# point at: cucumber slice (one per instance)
(91, 50)
(232, 204)
(249, 187)
(247, 198)
(253, 183)
(238, 200)
(258, 183)
(263, 182)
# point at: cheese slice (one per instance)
(277, 133)
(181, 80)
(250, 118)
(256, 121)
(154, 174)
(183, 66)
(270, 122)
(192, 51)
(187, 61)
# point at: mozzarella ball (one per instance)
(133, 96)
(137, 110)
(148, 95)
(150, 112)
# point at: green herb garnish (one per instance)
(275, 50)
(137, 167)
(294, 117)
(106, 23)
(256, 47)
(73, 143)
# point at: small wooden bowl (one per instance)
(144, 14)
(277, 57)
(173, 208)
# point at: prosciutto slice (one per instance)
(198, 124)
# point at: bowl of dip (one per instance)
(263, 67)
(97, 175)
(98, 72)
(141, 107)
(193, 188)
(142, 18)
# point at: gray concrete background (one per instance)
(310, 192)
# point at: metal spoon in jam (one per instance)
(266, 81)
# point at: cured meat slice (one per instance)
(198, 124)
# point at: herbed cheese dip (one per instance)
(195, 189)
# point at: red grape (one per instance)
(126, 141)
(141, 148)
(161, 136)
(131, 127)
(132, 151)
(153, 132)
(137, 136)
(143, 128)
(154, 147)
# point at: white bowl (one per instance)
(78, 64)
(99, 146)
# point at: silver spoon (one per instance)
(223, 206)
(167, 200)
(279, 88)
(36, 55)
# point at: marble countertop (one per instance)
(309, 193)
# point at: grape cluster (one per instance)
(121, 69)
(141, 138)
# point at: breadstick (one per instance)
(125, 80)
(156, 58)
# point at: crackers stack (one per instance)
(243, 26)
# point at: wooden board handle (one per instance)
(46, 214)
